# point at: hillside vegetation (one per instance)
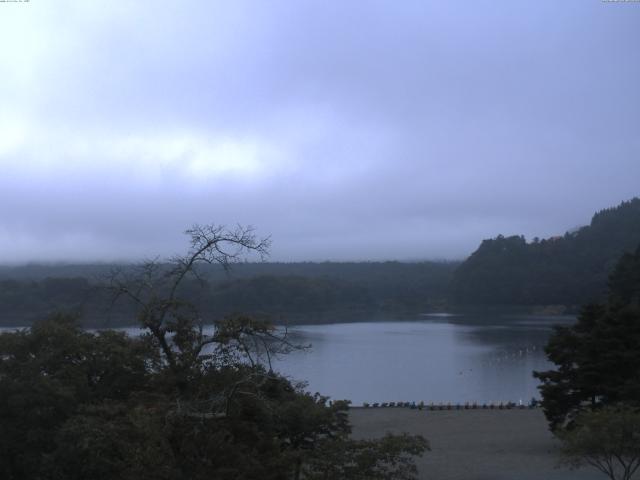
(569, 270)
(286, 291)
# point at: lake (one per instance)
(431, 358)
(434, 358)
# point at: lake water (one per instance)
(432, 359)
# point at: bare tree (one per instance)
(210, 383)
(177, 326)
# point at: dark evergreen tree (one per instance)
(567, 270)
(598, 358)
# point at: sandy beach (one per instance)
(475, 444)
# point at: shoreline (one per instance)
(447, 406)
(455, 314)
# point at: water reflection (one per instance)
(433, 359)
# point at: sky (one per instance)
(360, 130)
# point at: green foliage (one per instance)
(23, 300)
(390, 457)
(269, 293)
(598, 359)
(607, 439)
(48, 373)
(296, 290)
(77, 405)
(176, 403)
(567, 270)
(624, 284)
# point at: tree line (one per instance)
(178, 402)
(298, 291)
(568, 270)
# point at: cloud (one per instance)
(346, 130)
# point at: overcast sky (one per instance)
(345, 130)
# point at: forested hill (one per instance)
(567, 270)
(302, 291)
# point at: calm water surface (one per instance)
(431, 359)
(434, 358)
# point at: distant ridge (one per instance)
(565, 270)
(304, 292)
